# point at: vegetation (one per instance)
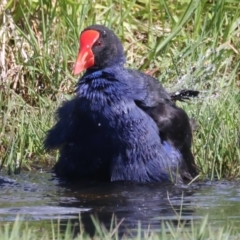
(185, 44)
(202, 230)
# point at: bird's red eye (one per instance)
(99, 43)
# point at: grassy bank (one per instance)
(193, 230)
(185, 44)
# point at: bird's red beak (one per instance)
(85, 57)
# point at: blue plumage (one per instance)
(122, 125)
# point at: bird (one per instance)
(121, 125)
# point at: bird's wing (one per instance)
(64, 128)
(172, 121)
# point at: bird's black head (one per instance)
(99, 48)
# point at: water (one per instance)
(38, 197)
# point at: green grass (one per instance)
(185, 44)
(193, 230)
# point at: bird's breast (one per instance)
(110, 108)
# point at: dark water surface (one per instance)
(37, 197)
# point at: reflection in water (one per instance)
(132, 202)
(39, 197)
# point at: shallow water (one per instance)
(38, 197)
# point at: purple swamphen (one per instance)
(122, 125)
